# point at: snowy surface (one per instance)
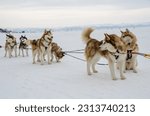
(19, 78)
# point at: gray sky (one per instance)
(46, 13)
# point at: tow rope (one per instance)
(81, 58)
(142, 54)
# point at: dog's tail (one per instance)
(86, 34)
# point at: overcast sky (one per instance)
(53, 13)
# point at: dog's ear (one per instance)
(121, 32)
(127, 30)
(45, 31)
(107, 36)
(21, 37)
(25, 37)
(7, 35)
(63, 53)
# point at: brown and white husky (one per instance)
(130, 41)
(10, 45)
(112, 48)
(42, 47)
(56, 51)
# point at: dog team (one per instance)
(116, 49)
(40, 47)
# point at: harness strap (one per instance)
(46, 42)
(115, 54)
(129, 54)
(81, 59)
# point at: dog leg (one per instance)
(42, 59)
(5, 52)
(48, 58)
(19, 52)
(38, 56)
(15, 48)
(9, 52)
(93, 66)
(27, 52)
(57, 59)
(124, 69)
(121, 69)
(94, 60)
(42, 52)
(134, 65)
(33, 55)
(112, 67)
(22, 52)
(52, 56)
(88, 68)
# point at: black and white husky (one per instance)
(23, 45)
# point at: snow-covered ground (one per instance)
(19, 78)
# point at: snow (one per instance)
(20, 79)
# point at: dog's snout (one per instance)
(129, 44)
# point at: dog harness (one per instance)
(114, 54)
(129, 54)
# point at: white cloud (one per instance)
(45, 13)
(50, 3)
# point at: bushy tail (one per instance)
(86, 34)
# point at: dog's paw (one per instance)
(42, 63)
(114, 78)
(95, 71)
(135, 71)
(123, 78)
(33, 62)
(38, 60)
(89, 74)
(49, 63)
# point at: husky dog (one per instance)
(42, 46)
(112, 48)
(130, 41)
(56, 51)
(23, 45)
(10, 45)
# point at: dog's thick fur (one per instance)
(112, 48)
(10, 45)
(130, 41)
(42, 47)
(56, 51)
(23, 45)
